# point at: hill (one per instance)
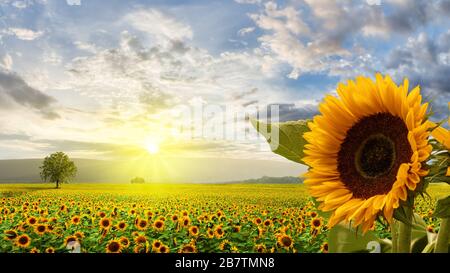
(160, 170)
(271, 180)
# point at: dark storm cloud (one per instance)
(14, 89)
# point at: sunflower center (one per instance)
(375, 156)
(371, 154)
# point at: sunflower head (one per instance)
(11, 234)
(316, 223)
(268, 223)
(158, 225)
(185, 221)
(260, 248)
(141, 239)
(40, 229)
(367, 150)
(193, 231)
(70, 239)
(156, 245)
(188, 248)
(142, 224)
(219, 232)
(122, 225)
(285, 241)
(124, 241)
(75, 220)
(23, 241)
(210, 233)
(113, 246)
(34, 250)
(105, 223)
(79, 235)
(49, 250)
(163, 249)
(31, 220)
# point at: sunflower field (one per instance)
(94, 218)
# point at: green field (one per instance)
(168, 218)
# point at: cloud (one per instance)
(248, 1)
(320, 36)
(20, 4)
(291, 111)
(244, 31)
(7, 62)
(23, 33)
(89, 47)
(425, 61)
(155, 23)
(14, 89)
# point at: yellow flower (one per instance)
(163, 249)
(158, 225)
(188, 248)
(285, 241)
(124, 241)
(156, 245)
(40, 229)
(122, 225)
(316, 223)
(366, 149)
(49, 250)
(193, 231)
(105, 223)
(443, 136)
(23, 241)
(114, 246)
(142, 224)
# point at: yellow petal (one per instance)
(442, 135)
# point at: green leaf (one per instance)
(286, 138)
(344, 239)
(401, 214)
(443, 208)
(419, 235)
(419, 228)
(429, 248)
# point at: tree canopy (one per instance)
(58, 168)
(138, 180)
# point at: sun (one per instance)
(152, 147)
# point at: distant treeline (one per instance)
(272, 180)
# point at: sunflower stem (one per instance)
(404, 233)
(394, 234)
(443, 236)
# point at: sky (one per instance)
(116, 79)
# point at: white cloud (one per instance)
(89, 47)
(158, 24)
(20, 4)
(52, 58)
(6, 62)
(23, 33)
(73, 2)
(245, 31)
(322, 36)
(248, 1)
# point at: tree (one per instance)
(58, 168)
(138, 180)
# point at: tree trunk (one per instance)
(57, 184)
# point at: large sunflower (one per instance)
(366, 149)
